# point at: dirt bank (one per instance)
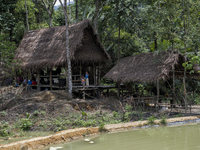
(68, 135)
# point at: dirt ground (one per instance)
(55, 104)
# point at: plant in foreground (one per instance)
(163, 121)
(151, 120)
(101, 127)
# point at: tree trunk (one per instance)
(155, 42)
(69, 16)
(96, 15)
(50, 20)
(184, 77)
(76, 10)
(27, 16)
(119, 38)
(69, 72)
(49, 9)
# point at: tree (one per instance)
(69, 72)
(49, 7)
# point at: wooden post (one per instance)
(158, 92)
(118, 90)
(80, 70)
(173, 102)
(38, 80)
(94, 73)
(50, 79)
(99, 75)
(108, 92)
(26, 80)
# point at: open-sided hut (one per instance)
(46, 48)
(149, 67)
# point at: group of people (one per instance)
(85, 80)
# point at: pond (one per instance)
(185, 137)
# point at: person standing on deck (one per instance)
(87, 78)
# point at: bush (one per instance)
(163, 121)
(128, 108)
(36, 113)
(4, 129)
(25, 124)
(101, 127)
(151, 120)
(3, 114)
(43, 113)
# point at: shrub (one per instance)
(101, 127)
(127, 116)
(163, 121)
(36, 113)
(3, 114)
(151, 120)
(25, 124)
(4, 129)
(128, 108)
(43, 113)
(115, 114)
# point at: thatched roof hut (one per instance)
(47, 47)
(148, 67)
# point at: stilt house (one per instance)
(43, 53)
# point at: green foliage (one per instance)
(115, 114)
(163, 121)
(4, 129)
(43, 113)
(151, 120)
(25, 124)
(179, 115)
(3, 114)
(36, 113)
(101, 127)
(128, 108)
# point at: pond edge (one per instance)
(71, 134)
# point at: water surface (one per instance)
(185, 137)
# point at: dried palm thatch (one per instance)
(148, 67)
(47, 47)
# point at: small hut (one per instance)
(152, 67)
(43, 51)
(149, 67)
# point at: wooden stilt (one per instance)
(173, 102)
(99, 75)
(158, 92)
(94, 73)
(107, 92)
(38, 80)
(80, 69)
(50, 79)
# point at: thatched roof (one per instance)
(148, 67)
(47, 47)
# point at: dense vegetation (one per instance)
(125, 27)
